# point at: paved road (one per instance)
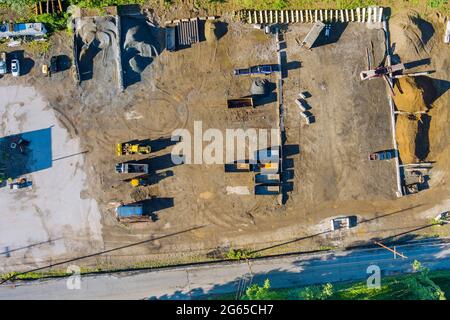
(193, 282)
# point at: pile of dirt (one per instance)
(412, 95)
(407, 128)
(210, 31)
(102, 29)
(412, 37)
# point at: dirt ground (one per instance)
(329, 174)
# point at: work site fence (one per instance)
(362, 15)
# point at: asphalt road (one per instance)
(195, 281)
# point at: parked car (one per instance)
(15, 67)
(45, 70)
(54, 64)
(3, 65)
(381, 155)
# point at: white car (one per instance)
(15, 67)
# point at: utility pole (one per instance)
(392, 250)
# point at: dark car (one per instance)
(54, 65)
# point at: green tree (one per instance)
(322, 292)
(419, 286)
(19, 6)
(255, 292)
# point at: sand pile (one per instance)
(412, 95)
(409, 96)
(412, 37)
(210, 31)
(407, 128)
(101, 28)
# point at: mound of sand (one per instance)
(411, 36)
(413, 95)
(409, 95)
(210, 31)
(407, 129)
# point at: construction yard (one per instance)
(198, 211)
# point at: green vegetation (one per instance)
(420, 285)
(103, 3)
(256, 292)
(239, 254)
(53, 22)
(38, 47)
(322, 292)
(263, 292)
(19, 6)
(437, 4)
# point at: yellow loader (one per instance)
(128, 148)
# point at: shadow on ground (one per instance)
(141, 42)
(26, 152)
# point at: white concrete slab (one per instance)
(53, 208)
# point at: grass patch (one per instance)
(392, 288)
(239, 254)
(103, 3)
(38, 47)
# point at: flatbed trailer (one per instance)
(132, 168)
(240, 103)
(255, 70)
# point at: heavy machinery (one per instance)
(381, 71)
(128, 148)
(255, 70)
(136, 182)
(131, 213)
(386, 72)
(132, 168)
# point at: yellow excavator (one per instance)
(128, 148)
